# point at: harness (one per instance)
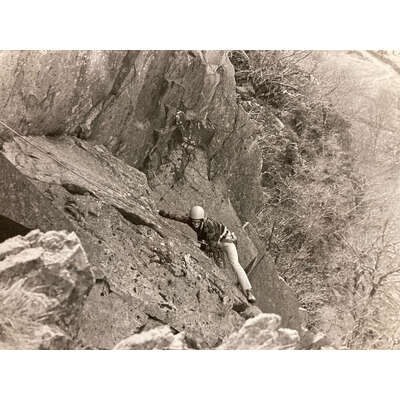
(225, 237)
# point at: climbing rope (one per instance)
(68, 168)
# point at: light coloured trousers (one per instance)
(231, 252)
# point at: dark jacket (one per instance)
(210, 231)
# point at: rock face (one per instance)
(147, 274)
(113, 136)
(44, 281)
(128, 101)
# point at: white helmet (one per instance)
(197, 212)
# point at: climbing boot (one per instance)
(250, 296)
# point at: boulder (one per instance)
(44, 281)
(262, 332)
(160, 338)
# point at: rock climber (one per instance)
(216, 235)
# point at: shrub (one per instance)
(311, 191)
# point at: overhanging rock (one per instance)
(23, 204)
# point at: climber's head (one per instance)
(196, 216)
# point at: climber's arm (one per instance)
(176, 217)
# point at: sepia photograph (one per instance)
(241, 199)
(194, 198)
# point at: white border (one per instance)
(205, 24)
(198, 374)
(198, 25)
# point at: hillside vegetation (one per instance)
(318, 203)
(310, 187)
